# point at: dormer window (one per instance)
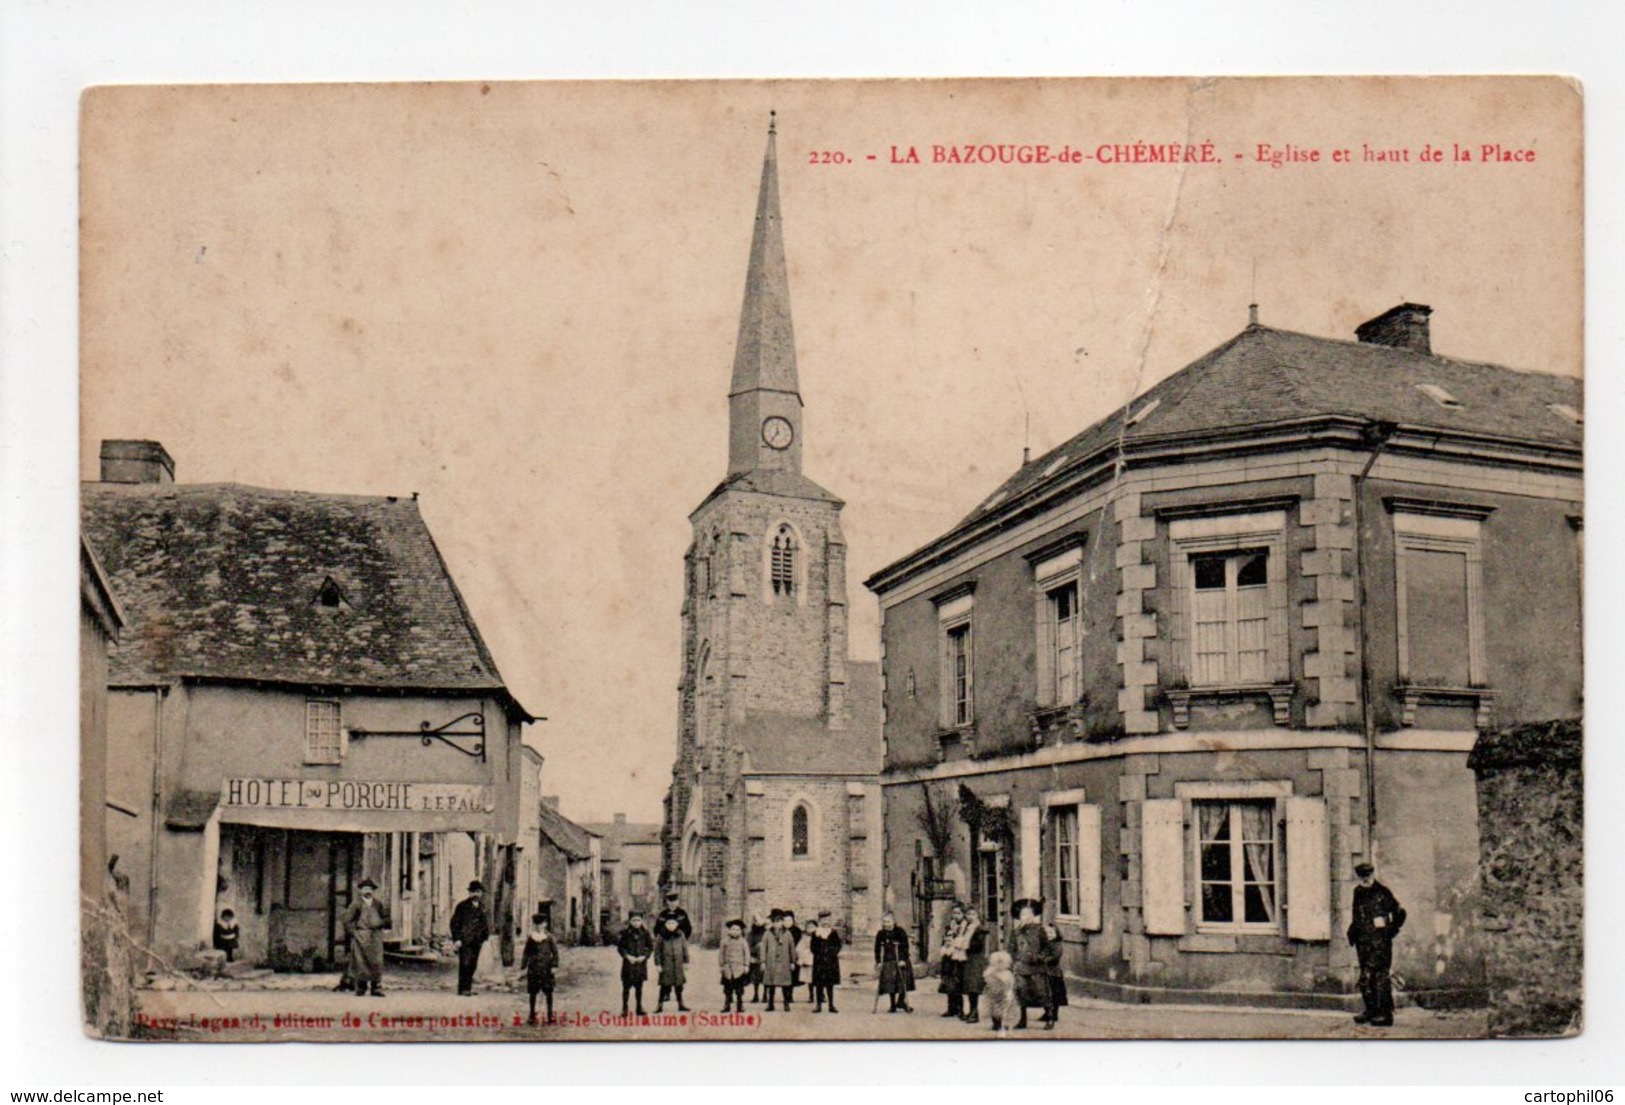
(1567, 413)
(1439, 396)
(330, 596)
(1143, 413)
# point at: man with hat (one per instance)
(364, 920)
(778, 959)
(1375, 920)
(469, 931)
(676, 912)
(825, 942)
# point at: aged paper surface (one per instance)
(413, 414)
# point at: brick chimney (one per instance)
(136, 462)
(551, 801)
(1402, 327)
(620, 819)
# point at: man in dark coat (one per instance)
(1376, 919)
(676, 912)
(635, 946)
(826, 965)
(364, 922)
(469, 931)
(893, 963)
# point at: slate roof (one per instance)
(771, 481)
(1264, 379)
(221, 581)
(794, 745)
(617, 836)
(568, 837)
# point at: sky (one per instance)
(520, 302)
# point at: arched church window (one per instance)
(800, 834)
(783, 565)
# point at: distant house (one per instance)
(629, 870)
(1178, 675)
(570, 861)
(299, 699)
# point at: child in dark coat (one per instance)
(540, 960)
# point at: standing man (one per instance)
(1377, 919)
(778, 960)
(469, 932)
(674, 912)
(363, 922)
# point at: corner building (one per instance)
(774, 800)
(1179, 675)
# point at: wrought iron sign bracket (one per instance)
(442, 733)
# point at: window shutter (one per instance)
(1179, 611)
(1046, 651)
(1162, 865)
(1089, 866)
(1308, 870)
(1031, 885)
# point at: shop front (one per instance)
(291, 852)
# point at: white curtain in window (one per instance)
(1258, 835)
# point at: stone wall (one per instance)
(1531, 823)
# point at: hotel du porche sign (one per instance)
(351, 796)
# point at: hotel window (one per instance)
(1236, 864)
(324, 736)
(1060, 628)
(1439, 581)
(958, 672)
(1229, 591)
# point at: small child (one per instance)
(999, 981)
(226, 935)
(734, 958)
(540, 960)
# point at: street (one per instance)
(423, 1005)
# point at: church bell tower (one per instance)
(764, 615)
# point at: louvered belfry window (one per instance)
(783, 564)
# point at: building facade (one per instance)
(774, 799)
(1179, 675)
(629, 870)
(299, 700)
(570, 860)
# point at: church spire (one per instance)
(764, 388)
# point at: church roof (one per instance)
(765, 354)
(781, 744)
(771, 481)
(237, 583)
